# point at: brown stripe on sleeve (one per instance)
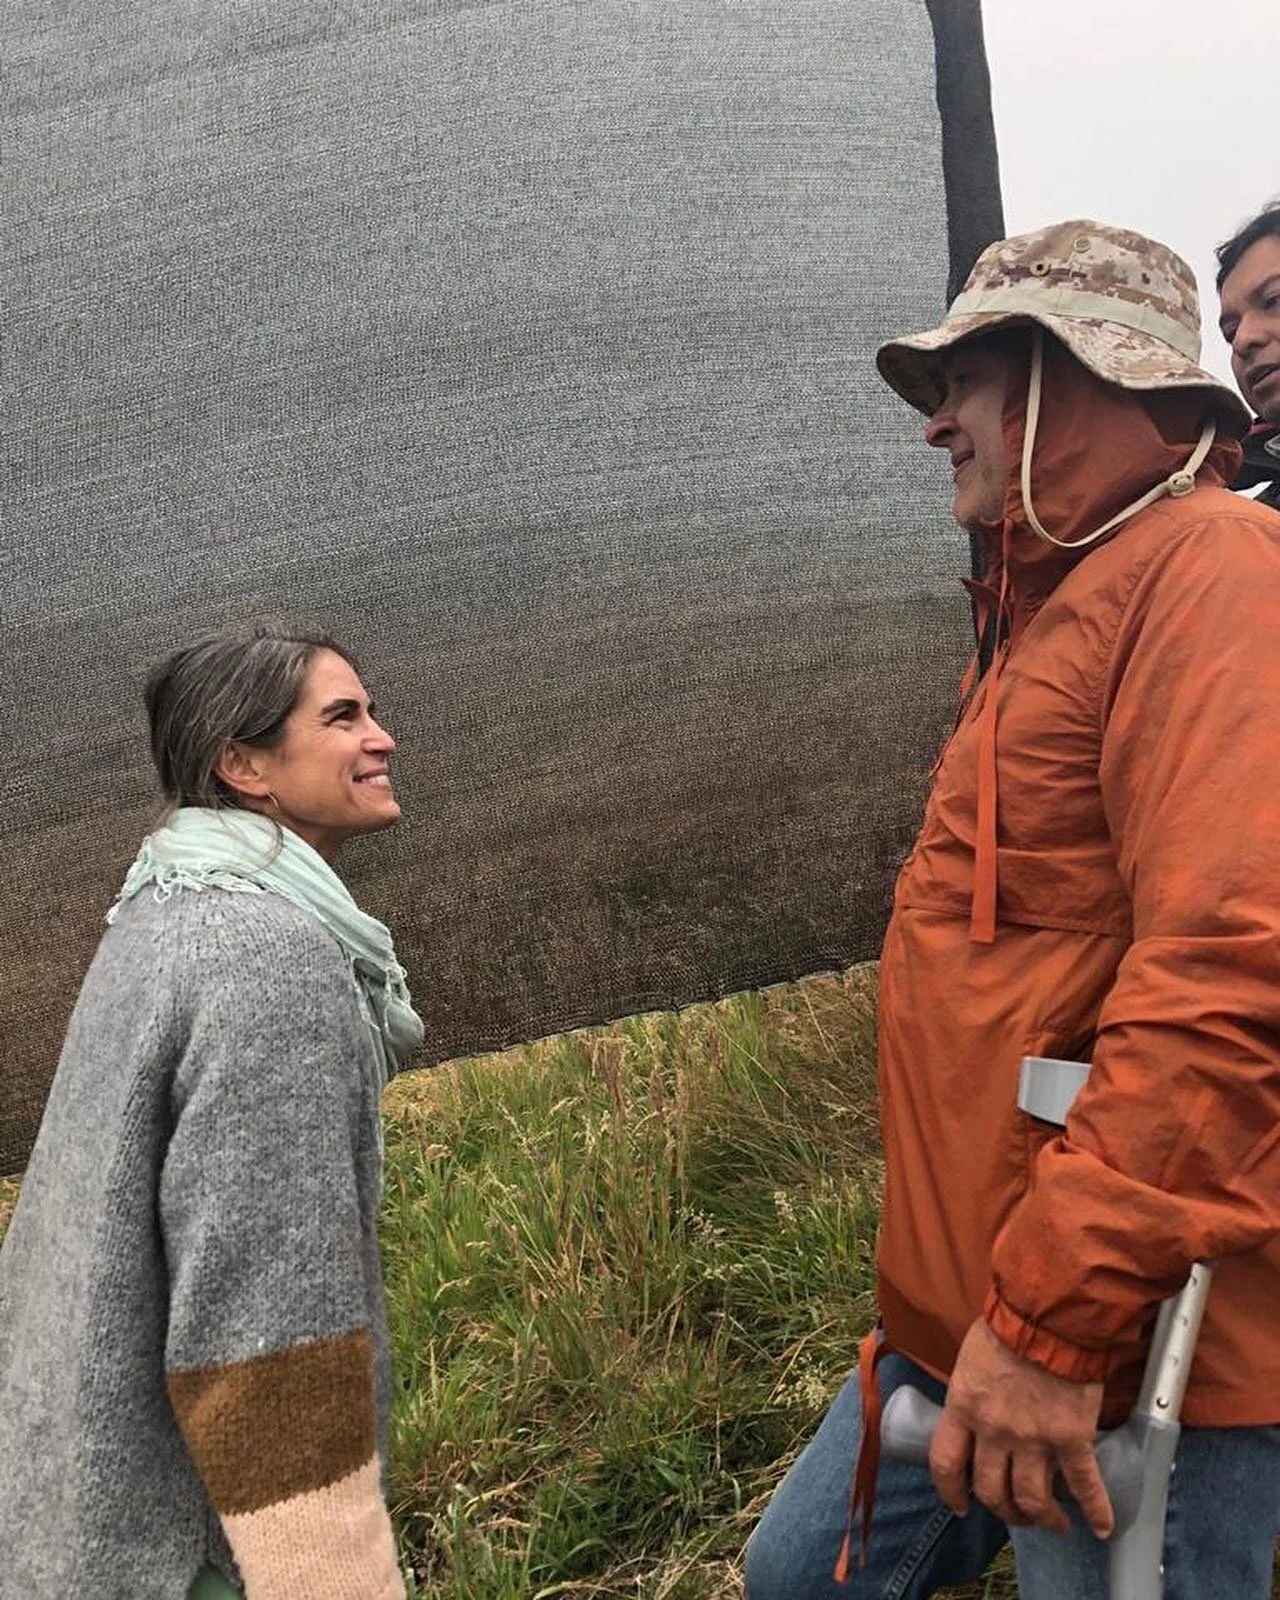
(263, 1430)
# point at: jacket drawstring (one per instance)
(984, 600)
(982, 913)
(867, 1465)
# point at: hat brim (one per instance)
(912, 366)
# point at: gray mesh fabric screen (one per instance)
(527, 347)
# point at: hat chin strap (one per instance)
(1176, 484)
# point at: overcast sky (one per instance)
(1153, 114)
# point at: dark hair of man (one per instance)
(1263, 226)
(239, 685)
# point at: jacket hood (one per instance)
(1096, 455)
(1097, 448)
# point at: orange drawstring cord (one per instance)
(983, 599)
(867, 1466)
(982, 916)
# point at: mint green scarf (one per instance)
(200, 848)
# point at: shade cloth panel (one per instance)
(528, 349)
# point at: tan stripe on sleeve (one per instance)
(280, 1425)
(330, 1544)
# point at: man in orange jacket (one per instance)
(1097, 878)
(1249, 289)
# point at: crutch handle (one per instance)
(910, 1419)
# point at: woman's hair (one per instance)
(241, 685)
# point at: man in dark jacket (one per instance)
(1249, 289)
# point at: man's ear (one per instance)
(239, 768)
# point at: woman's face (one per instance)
(327, 780)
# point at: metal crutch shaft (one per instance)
(1136, 1554)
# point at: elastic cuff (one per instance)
(1036, 1344)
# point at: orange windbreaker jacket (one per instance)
(1137, 867)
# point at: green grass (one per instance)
(626, 1271)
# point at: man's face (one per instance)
(969, 425)
(1250, 324)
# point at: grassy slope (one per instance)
(626, 1271)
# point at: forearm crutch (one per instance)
(1135, 1459)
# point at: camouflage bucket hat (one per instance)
(1125, 307)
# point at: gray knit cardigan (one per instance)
(193, 1353)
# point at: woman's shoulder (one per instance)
(220, 965)
(204, 930)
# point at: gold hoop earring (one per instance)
(275, 804)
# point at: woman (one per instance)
(193, 1372)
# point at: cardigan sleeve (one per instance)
(267, 1212)
(1171, 1152)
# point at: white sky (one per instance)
(1159, 115)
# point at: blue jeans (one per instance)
(1224, 1510)
(916, 1544)
(1219, 1535)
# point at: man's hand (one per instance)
(1018, 1424)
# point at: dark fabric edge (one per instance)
(970, 161)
